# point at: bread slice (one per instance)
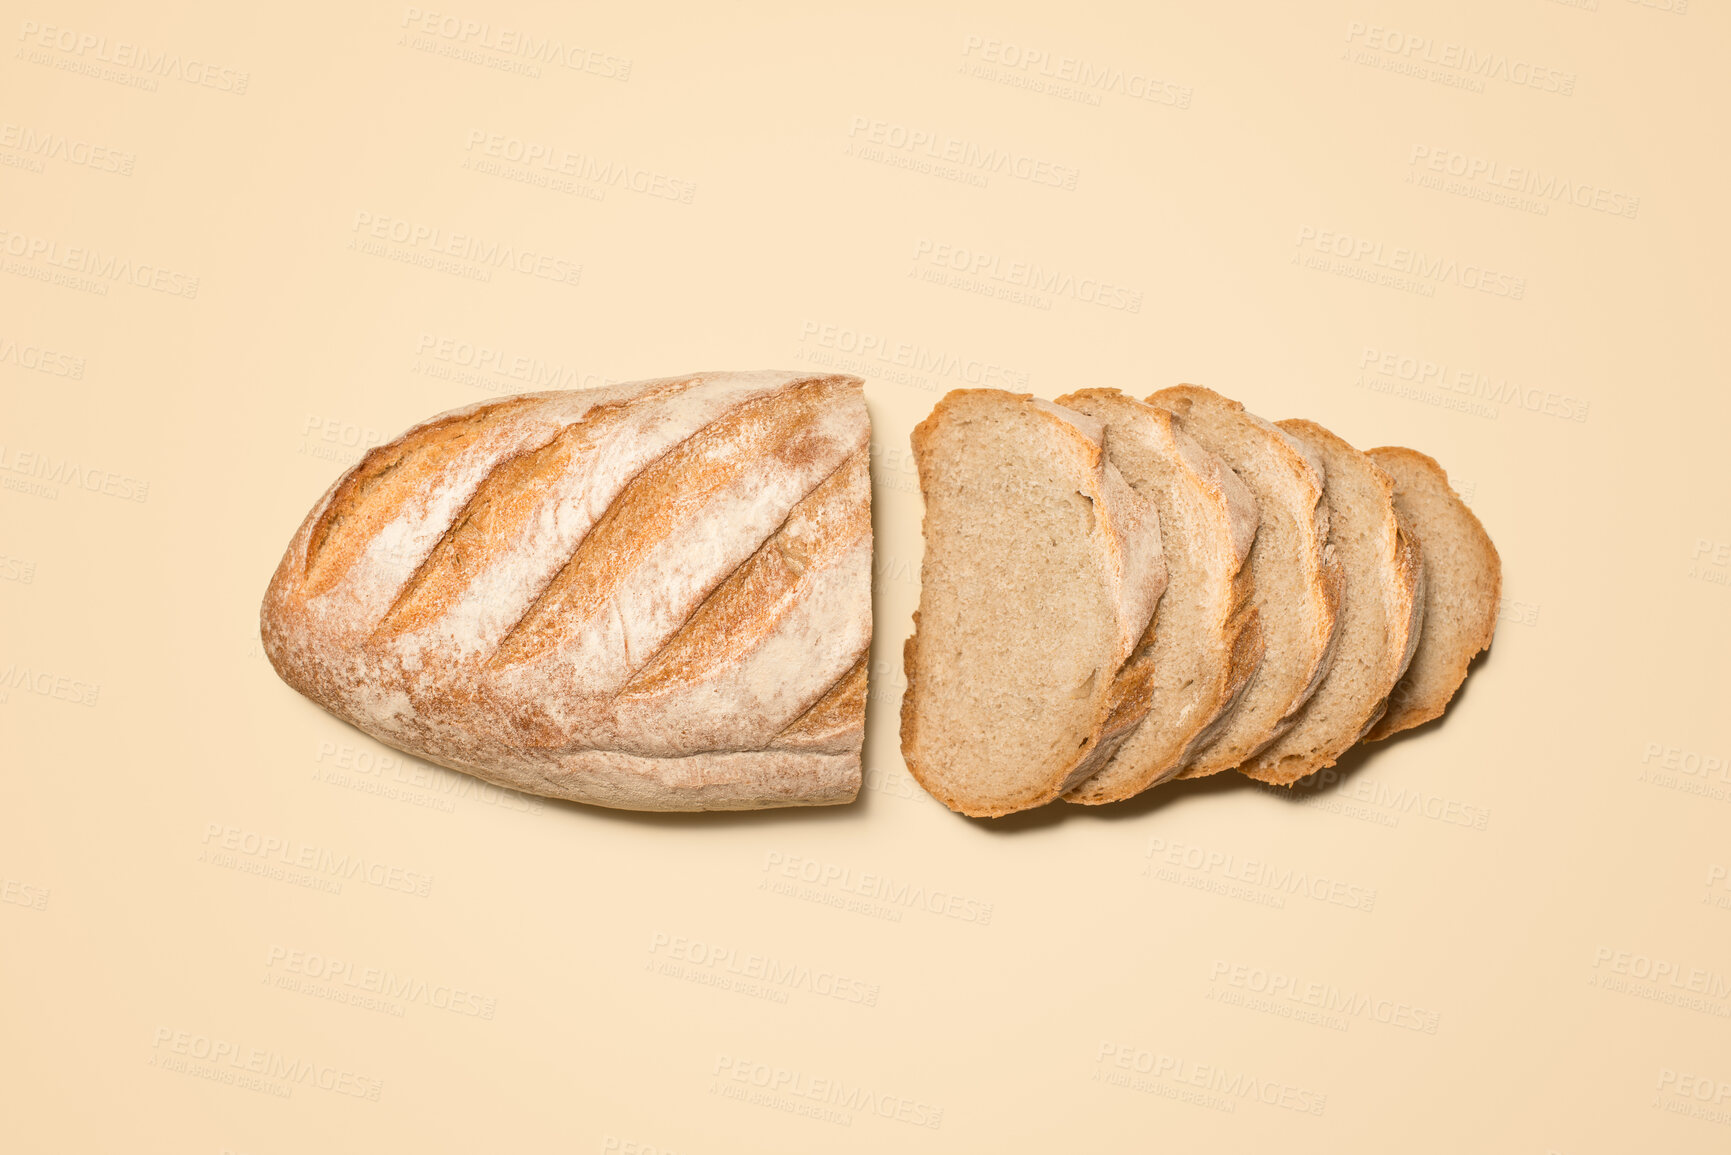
(1463, 587)
(1041, 571)
(1206, 638)
(1297, 579)
(1381, 604)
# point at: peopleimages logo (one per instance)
(559, 161)
(42, 145)
(1688, 1086)
(792, 1090)
(1469, 382)
(896, 894)
(1329, 789)
(1662, 980)
(1325, 997)
(40, 359)
(527, 47)
(45, 467)
(878, 351)
(1218, 871)
(23, 894)
(338, 978)
(1116, 1062)
(109, 267)
(1686, 761)
(494, 368)
(1546, 187)
(17, 569)
(703, 961)
(426, 244)
(232, 1060)
(47, 683)
(1469, 64)
(1089, 78)
(1414, 263)
(991, 269)
(87, 46)
(398, 777)
(225, 842)
(929, 144)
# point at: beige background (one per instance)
(230, 923)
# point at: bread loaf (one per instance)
(1041, 570)
(654, 596)
(1205, 639)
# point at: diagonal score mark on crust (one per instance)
(386, 479)
(481, 529)
(503, 509)
(749, 604)
(840, 708)
(781, 427)
(846, 464)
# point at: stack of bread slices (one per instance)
(1118, 593)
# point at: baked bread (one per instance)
(1297, 579)
(1380, 610)
(1463, 589)
(653, 596)
(1205, 640)
(1041, 571)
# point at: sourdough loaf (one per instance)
(1041, 571)
(653, 596)
(1297, 579)
(1205, 639)
(1380, 608)
(1463, 589)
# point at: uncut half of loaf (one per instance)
(653, 596)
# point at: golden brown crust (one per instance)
(910, 721)
(831, 519)
(1409, 596)
(498, 515)
(1333, 579)
(1247, 651)
(407, 576)
(1132, 689)
(762, 434)
(382, 482)
(833, 718)
(1475, 624)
